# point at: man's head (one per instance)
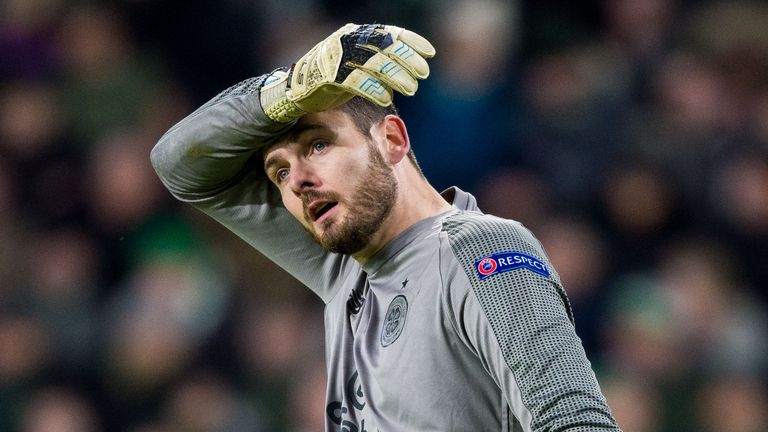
(336, 172)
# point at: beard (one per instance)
(372, 200)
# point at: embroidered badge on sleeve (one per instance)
(506, 261)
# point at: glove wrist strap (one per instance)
(273, 98)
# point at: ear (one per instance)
(396, 143)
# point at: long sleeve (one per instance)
(509, 308)
(211, 159)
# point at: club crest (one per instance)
(394, 320)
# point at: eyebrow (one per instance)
(295, 132)
(271, 162)
(292, 135)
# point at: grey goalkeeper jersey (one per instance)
(458, 324)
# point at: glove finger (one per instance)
(394, 42)
(414, 40)
(324, 97)
(409, 58)
(368, 87)
(391, 73)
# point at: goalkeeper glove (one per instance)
(365, 60)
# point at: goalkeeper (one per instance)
(437, 316)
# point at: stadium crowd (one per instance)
(630, 135)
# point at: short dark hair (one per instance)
(365, 114)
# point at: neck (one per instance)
(416, 200)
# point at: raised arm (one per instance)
(209, 150)
(211, 159)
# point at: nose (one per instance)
(302, 178)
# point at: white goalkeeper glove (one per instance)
(368, 60)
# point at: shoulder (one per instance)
(485, 245)
(500, 260)
(477, 232)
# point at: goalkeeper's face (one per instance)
(334, 180)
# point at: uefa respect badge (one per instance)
(507, 261)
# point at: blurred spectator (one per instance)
(519, 194)
(30, 119)
(25, 348)
(640, 341)
(205, 403)
(210, 44)
(639, 209)
(723, 327)
(59, 410)
(468, 99)
(283, 45)
(640, 27)
(122, 187)
(274, 344)
(634, 404)
(681, 130)
(162, 316)
(739, 202)
(732, 403)
(577, 108)
(26, 36)
(307, 400)
(45, 172)
(24, 356)
(105, 80)
(689, 320)
(739, 55)
(580, 256)
(759, 120)
(11, 235)
(641, 344)
(578, 253)
(61, 294)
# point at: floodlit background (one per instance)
(630, 135)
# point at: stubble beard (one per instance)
(371, 202)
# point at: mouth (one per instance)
(319, 209)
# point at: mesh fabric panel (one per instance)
(531, 318)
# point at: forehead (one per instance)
(335, 122)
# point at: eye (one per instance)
(319, 146)
(281, 175)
